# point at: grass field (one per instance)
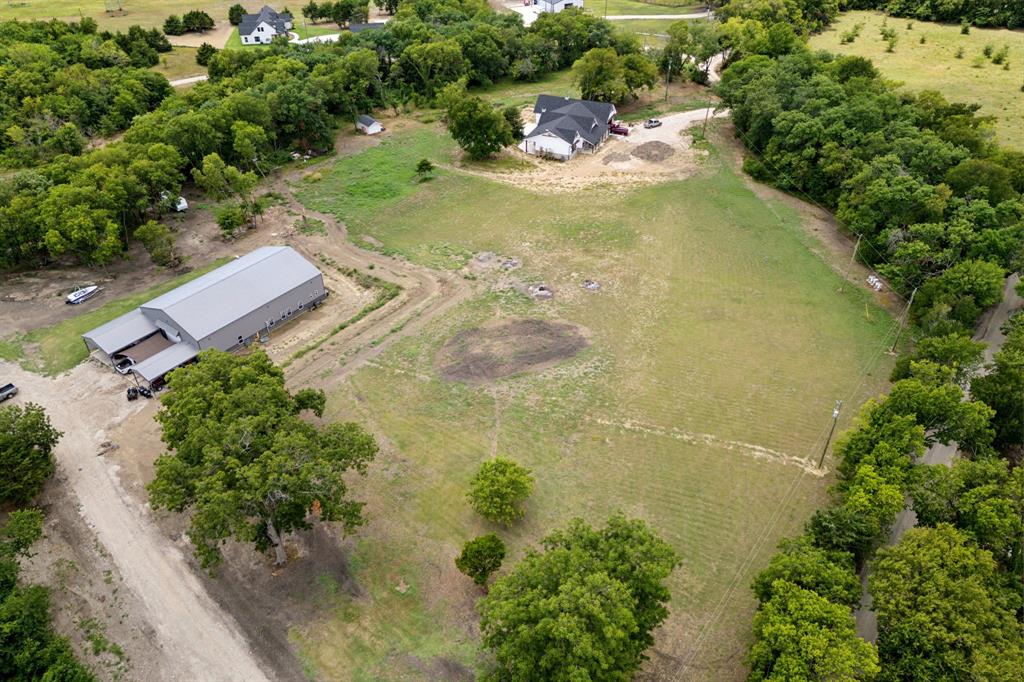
(180, 62)
(718, 346)
(650, 31)
(617, 7)
(934, 65)
(59, 347)
(146, 13)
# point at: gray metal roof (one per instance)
(366, 120)
(121, 332)
(210, 302)
(156, 366)
(277, 20)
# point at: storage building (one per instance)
(226, 308)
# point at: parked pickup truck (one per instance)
(8, 391)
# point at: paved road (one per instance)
(988, 330)
(189, 81)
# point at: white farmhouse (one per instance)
(564, 126)
(262, 28)
(556, 5)
(368, 124)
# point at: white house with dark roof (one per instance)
(262, 28)
(225, 309)
(557, 5)
(564, 126)
(368, 124)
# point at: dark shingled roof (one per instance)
(366, 120)
(566, 118)
(251, 21)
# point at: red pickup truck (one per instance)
(616, 128)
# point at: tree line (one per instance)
(85, 206)
(29, 647)
(937, 207)
(985, 13)
(63, 82)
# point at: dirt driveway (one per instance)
(200, 642)
(645, 156)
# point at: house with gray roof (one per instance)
(225, 309)
(564, 126)
(262, 28)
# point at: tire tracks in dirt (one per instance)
(425, 295)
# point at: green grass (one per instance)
(649, 31)
(146, 13)
(718, 340)
(934, 66)
(619, 7)
(180, 62)
(59, 347)
(521, 93)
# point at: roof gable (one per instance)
(207, 303)
(276, 20)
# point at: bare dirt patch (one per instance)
(655, 150)
(509, 347)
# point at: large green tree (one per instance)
(479, 128)
(799, 562)
(498, 490)
(802, 636)
(944, 611)
(27, 440)
(584, 608)
(245, 463)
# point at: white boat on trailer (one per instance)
(82, 294)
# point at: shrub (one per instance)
(965, 27)
(959, 53)
(205, 53)
(987, 50)
(230, 218)
(1000, 55)
(235, 14)
(481, 557)
(499, 489)
(158, 242)
(173, 25)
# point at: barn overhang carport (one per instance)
(171, 357)
(144, 349)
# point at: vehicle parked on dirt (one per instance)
(133, 393)
(616, 128)
(8, 391)
(145, 392)
(652, 123)
(124, 365)
(82, 294)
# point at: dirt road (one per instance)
(199, 641)
(989, 331)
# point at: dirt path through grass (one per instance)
(198, 640)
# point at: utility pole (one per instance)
(835, 418)
(668, 76)
(605, 9)
(903, 319)
(849, 268)
(704, 130)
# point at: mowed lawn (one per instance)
(719, 344)
(619, 7)
(934, 66)
(145, 13)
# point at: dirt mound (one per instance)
(655, 150)
(508, 347)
